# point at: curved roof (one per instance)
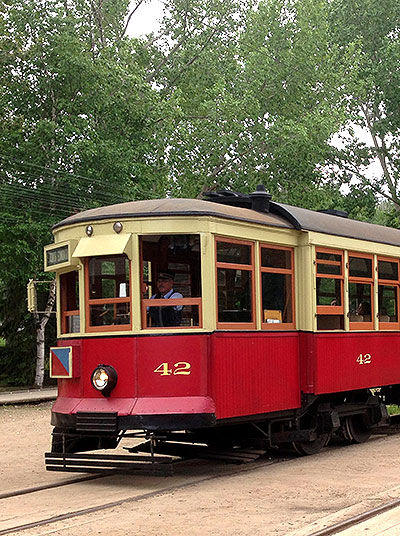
(279, 215)
(174, 207)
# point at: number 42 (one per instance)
(364, 359)
(179, 368)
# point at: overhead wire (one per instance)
(98, 184)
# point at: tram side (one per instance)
(277, 333)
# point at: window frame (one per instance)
(363, 326)
(330, 309)
(148, 302)
(390, 283)
(101, 301)
(235, 266)
(285, 271)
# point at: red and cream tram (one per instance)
(277, 323)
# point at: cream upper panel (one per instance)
(187, 225)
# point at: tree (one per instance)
(76, 115)
(372, 95)
(256, 93)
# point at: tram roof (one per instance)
(279, 215)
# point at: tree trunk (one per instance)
(40, 336)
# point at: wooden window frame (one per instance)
(285, 271)
(101, 301)
(234, 266)
(148, 302)
(171, 303)
(330, 309)
(389, 326)
(362, 326)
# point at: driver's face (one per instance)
(164, 285)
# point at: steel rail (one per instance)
(137, 498)
(356, 520)
(338, 527)
(26, 491)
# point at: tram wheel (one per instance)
(355, 430)
(307, 448)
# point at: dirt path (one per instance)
(277, 500)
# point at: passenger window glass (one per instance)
(277, 298)
(233, 253)
(329, 291)
(234, 296)
(360, 267)
(276, 287)
(276, 258)
(235, 272)
(387, 303)
(360, 300)
(388, 270)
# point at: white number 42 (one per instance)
(364, 359)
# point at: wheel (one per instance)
(307, 448)
(355, 430)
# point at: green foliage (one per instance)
(76, 115)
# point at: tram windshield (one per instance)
(171, 281)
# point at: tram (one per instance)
(232, 320)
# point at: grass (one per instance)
(393, 409)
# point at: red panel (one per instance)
(183, 359)
(240, 373)
(254, 373)
(173, 404)
(331, 363)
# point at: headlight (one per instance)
(104, 379)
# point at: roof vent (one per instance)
(334, 212)
(260, 199)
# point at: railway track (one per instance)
(222, 472)
(132, 499)
(337, 528)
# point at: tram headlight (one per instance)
(104, 379)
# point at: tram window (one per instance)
(388, 304)
(171, 281)
(329, 263)
(388, 270)
(108, 292)
(276, 258)
(360, 292)
(233, 253)
(360, 302)
(276, 287)
(69, 298)
(234, 296)
(329, 289)
(360, 267)
(388, 293)
(235, 283)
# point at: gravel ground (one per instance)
(291, 498)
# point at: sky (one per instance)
(145, 19)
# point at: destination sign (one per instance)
(57, 255)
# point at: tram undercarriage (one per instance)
(349, 417)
